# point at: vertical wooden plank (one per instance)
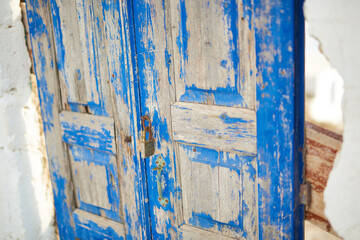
(249, 202)
(205, 194)
(154, 49)
(280, 89)
(185, 178)
(41, 32)
(68, 51)
(230, 191)
(94, 56)
(87, 32)
(119, 42)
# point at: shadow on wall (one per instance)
(26, 210)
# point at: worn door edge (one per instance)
(42, 41)
(280, 86)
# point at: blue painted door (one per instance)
(222, 82)
(86, 88)
(87, 121)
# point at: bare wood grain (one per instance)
(68, 50)
(209, 65)
(189, 232)
(222, 128)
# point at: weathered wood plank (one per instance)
(96, 181)
(215, 55)
(157, 92)
(91, 226)
(230, 195)
(95, 56)
(156, 44)
(321, 148)
(87, 33)
(68, 51)
(188, 232)
(41, 32)
(218, 190)
(205, 194)
(87, 130)
(124, 91)
(222, 128)
(279, 34)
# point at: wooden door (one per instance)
(86, 89)
(222, 83)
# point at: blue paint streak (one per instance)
(202, 155)
(205, 221)
(143, 12)
(279, 161)
(222, 96)
(63, 211)
(87, 137)
(91, 230)
(184, 35)
(38, 29)
(128, 82)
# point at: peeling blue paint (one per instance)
(63, 210)
(90, 230)
(279, 162)
(102, 140)
(39, 34)
(100, 159)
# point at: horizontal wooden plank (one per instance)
(193, 233)
(87, 130)
(217, 127)
(91, 226)
(321, 148)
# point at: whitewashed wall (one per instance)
(335, 23)
(26, 210)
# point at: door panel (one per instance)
(86, 128)
(218, 189)
(93, 127)
(83, 63)
(193, 85)
(213, 40)
(207, 81)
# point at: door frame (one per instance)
(282, 213)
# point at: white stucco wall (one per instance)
(26, 210)
(335, 24)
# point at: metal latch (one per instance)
(305, 194)
(160, 164)
(148, 145)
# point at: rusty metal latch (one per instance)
(160, 164)
(148, 145)
(305, 194)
